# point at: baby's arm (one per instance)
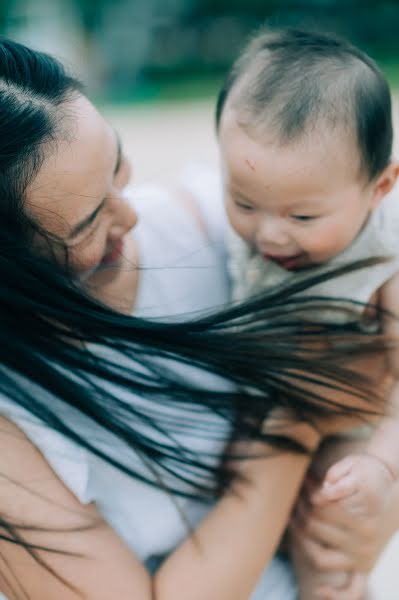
(359, 486)
(337, 549)
(362, 485)
(368, 479)
(319, 546)
(384, 444)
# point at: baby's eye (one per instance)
(303, 217)
(244, 206)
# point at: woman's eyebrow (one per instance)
(90, 218)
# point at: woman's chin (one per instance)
(83, 276)
(116, 284)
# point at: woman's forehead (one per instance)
(77, 169)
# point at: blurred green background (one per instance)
(155, 66)
(144, 50)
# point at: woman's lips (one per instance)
(114, 254)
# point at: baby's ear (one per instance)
(385, 182)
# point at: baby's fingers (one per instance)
(320, 557)
(355, 589)
(331, 492)
(308, 525)
(338, 482)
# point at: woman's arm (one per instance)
(236, 541)
(223, 561)
(101, 566)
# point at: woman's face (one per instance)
(78, 195)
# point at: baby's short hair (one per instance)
(291, 80)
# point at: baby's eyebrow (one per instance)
(235, 192)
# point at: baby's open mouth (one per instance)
(287, 262)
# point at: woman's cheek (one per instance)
(83, 262)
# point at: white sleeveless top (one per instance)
(182, 272)
(378, 239)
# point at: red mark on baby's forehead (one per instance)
(250, 165)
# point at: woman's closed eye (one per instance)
(88, 227)
(85, 237)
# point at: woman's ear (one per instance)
(385, 183)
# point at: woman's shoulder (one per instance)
(195, 201)
(23, 464)
(68, 460)
(31, 490)
(46, 514)
(182, 253)
(168, 217)
(204, 186)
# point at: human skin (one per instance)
(234, 543)
(84, 175)
(81, 176)
(283, 201)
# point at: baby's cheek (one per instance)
(243, 231)
(326, 243)
(241, 224)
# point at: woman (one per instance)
(113, 427)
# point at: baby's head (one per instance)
(305, 131)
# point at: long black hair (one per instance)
(263, 353)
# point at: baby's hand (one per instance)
(340, 529)
(360, 482)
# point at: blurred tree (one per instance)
(129, 41)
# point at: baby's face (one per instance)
(299, 204)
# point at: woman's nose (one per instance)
(125, 217)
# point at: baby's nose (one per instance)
(271, 231)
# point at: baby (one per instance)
(305, 132)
